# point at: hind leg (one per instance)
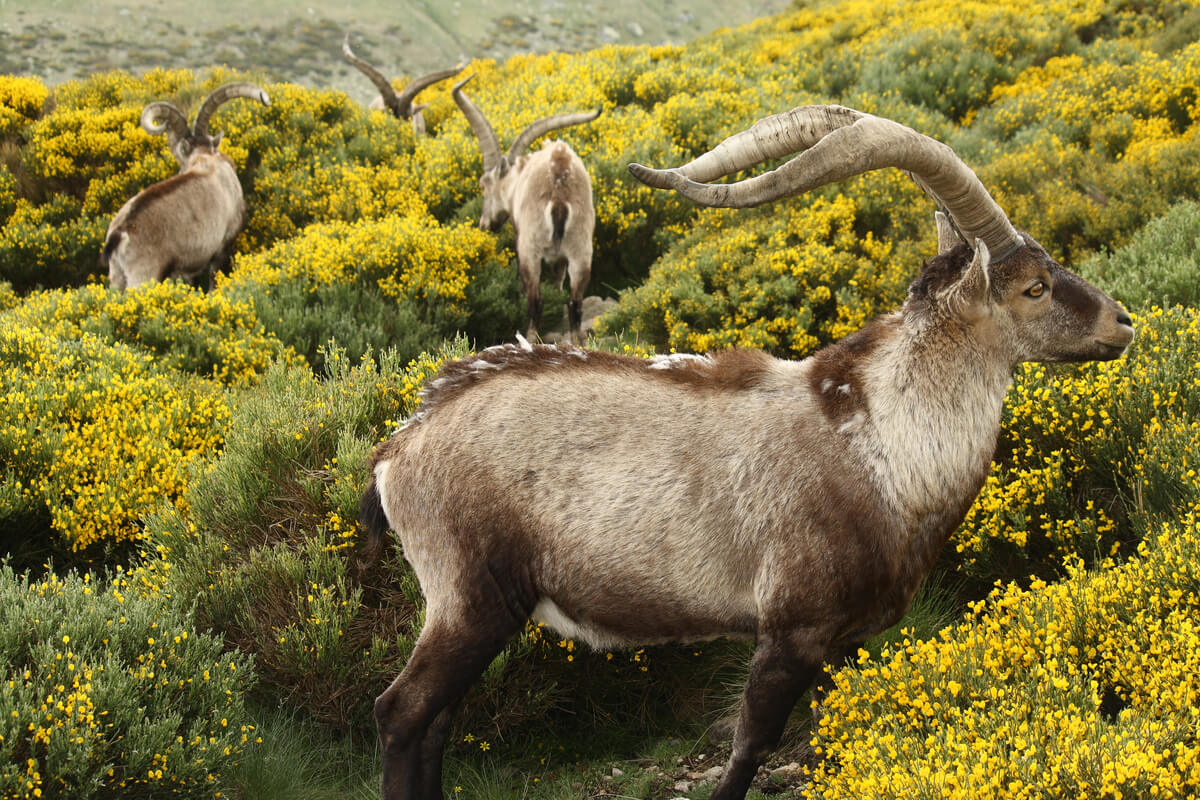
(531, 275)
(580, 271)
(414, 713)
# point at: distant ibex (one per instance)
(178, 227)
(801, 503)
(401, 105)
(549, 196)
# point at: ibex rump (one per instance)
(798, 503)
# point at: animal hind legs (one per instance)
(413, 715)
(531, 276)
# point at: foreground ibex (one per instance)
(627, 502)
(178, 227)
(549, 196)
(401, 105)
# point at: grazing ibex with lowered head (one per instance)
(549, 196)
(400, 105)
(799, 503)
(178, 227)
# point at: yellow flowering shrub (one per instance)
(786, 279)
(209, 335)
(93, 435)
(404, 282)
(21, 101)
(1083, 688)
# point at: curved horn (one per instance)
(544, 126)
(381, 83)
(838, 143)
(162, 117)
(405, 98)
(221, 95)
(489, 145)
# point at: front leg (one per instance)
(784, 665)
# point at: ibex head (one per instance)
(496, 166)
(400, 105)
(162, 117)
(987, 274)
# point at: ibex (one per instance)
(176, 228)
(549, 196)
(401, 105)
(800, 503)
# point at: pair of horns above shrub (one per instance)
(836, 143)
(163, 117)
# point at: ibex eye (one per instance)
(1036, 290)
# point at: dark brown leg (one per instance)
(414, 713)
(580, 273)
(779, 673)
(531, 275)
(433, 749)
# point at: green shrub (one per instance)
(1159, 266)
(266, 543)
(107, 693)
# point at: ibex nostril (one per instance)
(1123, 318)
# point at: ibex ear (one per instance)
(973, 286)
(947, 236)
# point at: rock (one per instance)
(707, 776)
(683, 786)
(787, 772)
(617, 772)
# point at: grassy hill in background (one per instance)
(60, 40)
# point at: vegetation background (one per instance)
(184, 611)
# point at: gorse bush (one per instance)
(106, 692)
(107, 400)
(1084, 688)
(93, 435)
